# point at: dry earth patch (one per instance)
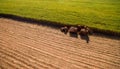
(30, 46)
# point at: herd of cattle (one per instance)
(81, 30)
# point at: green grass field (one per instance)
(102, 14)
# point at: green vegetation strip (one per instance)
(98, 14)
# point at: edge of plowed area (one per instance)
(30, 46)
(57, 24)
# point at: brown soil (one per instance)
(30, 46)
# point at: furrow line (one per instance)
(101, 52)
(53, 44)
(30, 58)
(48, 43)
(12, 62)
(47, 55)
(30, 28)
(51, 30)
(6, 64)
(108, 54)
(97, 57)
(59, 57)
(42, 28)
(84, 57)
(20, 61)
(58, 45)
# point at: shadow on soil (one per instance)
(86, 38)
(83, 37)
(75, 35)
(32, 21)
(57, 25)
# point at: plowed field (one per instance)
(30, 46)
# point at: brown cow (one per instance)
(64, 29)
(73, 30)
(80, 27)
(89, 30)
(84, 30)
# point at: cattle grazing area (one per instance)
(30, 46)
(101, 14)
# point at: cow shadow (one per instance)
(75, 35)
(64, 32)
(85, 37)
